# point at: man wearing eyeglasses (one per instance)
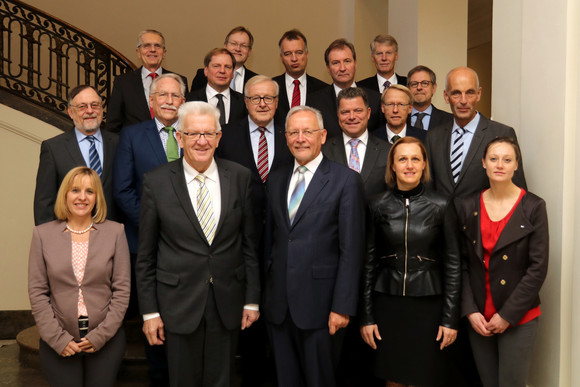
(239, 42)
(423, 85)
(396, 104)
(129, 103)
(197, 267)
(84, 145)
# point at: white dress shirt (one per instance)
(381, 81)
(289, 81)
(239, 75)
(255, 140)
(361, 147)
(311, 167)
(147, 80)
(338, 89)
(212, 99)
(391, 134)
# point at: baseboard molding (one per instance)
(14, 321)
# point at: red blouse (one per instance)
(490, 232)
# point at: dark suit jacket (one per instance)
(472, 177)
(381, 133)
(312, 85)
(438, 117)
(176, 265)
(373, 84)
(139, 151)
(237, 104)
(519, 259)
(314, 267)
(325, 101)
(53, 287)
(200, 80)
(60, 154)
(128, 104)
(374, 164)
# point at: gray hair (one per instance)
(304, 108)
(259, 79)
(175, 77)
(198, 108)
(140, 37)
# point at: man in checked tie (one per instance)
(86, 145)
(197, 266)
(455, 149)
(316, 218)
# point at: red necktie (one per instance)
(153, 76)
(263, 155)
(296, 94)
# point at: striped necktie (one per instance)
(94, 161)
(297, 194)
(296, 94)
(457, 153)
(205, 209)
(263, 155)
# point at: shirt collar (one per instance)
(81, 136)
(253, 126)
(471, 125)
(160, 125)
(211, 92)
(290, 81)
(312, 165)
(402, 133)
(364, 138)
(145, 73)
(190, 173)
(338, 89)
(427, 111)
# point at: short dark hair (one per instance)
(293, 34)
(507, 140)
(240, 29)
(339, 44)
(390, 176)
(76, 90)
(217, 51)
(419, 68)
(351, 93)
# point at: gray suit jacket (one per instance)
(53, 288)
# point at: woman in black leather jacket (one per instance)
(412, 273)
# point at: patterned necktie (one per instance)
(233, 82)
(94, 161)
(354, 160)
(263, 155)
(205, 209)
(296, 94)
(457, 153)
(172, 148)
(297, 194)
(222, 108)
(153, 76)
(395, 138)
(419, 122)
(386, 85)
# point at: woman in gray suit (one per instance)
(79, 285)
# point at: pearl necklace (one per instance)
(81, 231)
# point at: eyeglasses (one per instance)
(83, 106)
(165, 95)
(196, 136)
(149, 46)
(398, 105)
(413, 85)
(256, 99)
(242, 46)
(305, 133)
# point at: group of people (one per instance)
(345, 229)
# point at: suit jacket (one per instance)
(60, 154)
(374, 164)
(140, 150)
(518, 264)
(325, 101)
(53, 287)
(372, 83)
(438, 117)
(312, 85)
(237, 104)
(381, 133)
(472, 177)
(315, 263)
(176, 265)
(128, 104)
(200, 80)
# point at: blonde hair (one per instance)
(61, 209)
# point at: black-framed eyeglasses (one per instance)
(413, 85)
(256, 99)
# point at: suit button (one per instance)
(474, 242)
(211, 280)
(465, 227)
(475, 213)
(502, 282)
(505, 257)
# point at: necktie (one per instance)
(263, 155)
(94, 161)
(296, 94)
(457, 153)
(172, 148)
(395, 138)
(233, 82)
(222, 108)
(297, 194)
(205, 209)
(419, 122)
(354, 161)
(386, 85)
(153, 76)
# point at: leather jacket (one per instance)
(412, 251)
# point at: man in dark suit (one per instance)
(455, 150)
(129, 103)
(384, 55)
(239, 41)
(295, 85)
(423, 85)
(340, 58)
(219, 70)
(86, 145)
(317, 224)
(397, 103)
(357, 148)
(197, 268)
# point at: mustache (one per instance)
(171, 107)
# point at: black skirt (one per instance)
(408, 352)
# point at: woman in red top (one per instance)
(506, 247)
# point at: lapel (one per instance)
(336, 151)
(371, 155)
(151, 135)
(473, 227)
(446, 138)
(72, 146)
(247, 144)
(319, 180)
(108, 154)
(283, 99)
(517, 227)
(476, 142)
(225, 190)
(137, 91)
(280, 146)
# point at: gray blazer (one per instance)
(53, 288)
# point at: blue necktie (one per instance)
(94, 161)
(297, 194)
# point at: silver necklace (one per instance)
(81, 231)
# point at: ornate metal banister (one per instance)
(41, 57)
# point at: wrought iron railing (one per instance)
(42, 57)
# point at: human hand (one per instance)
(497, 324)
(446, 335)
(154, 331)
(368, 333)
(337, 321)
(71, 349)
(249, 317)
(86, 346)
(478, 323)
